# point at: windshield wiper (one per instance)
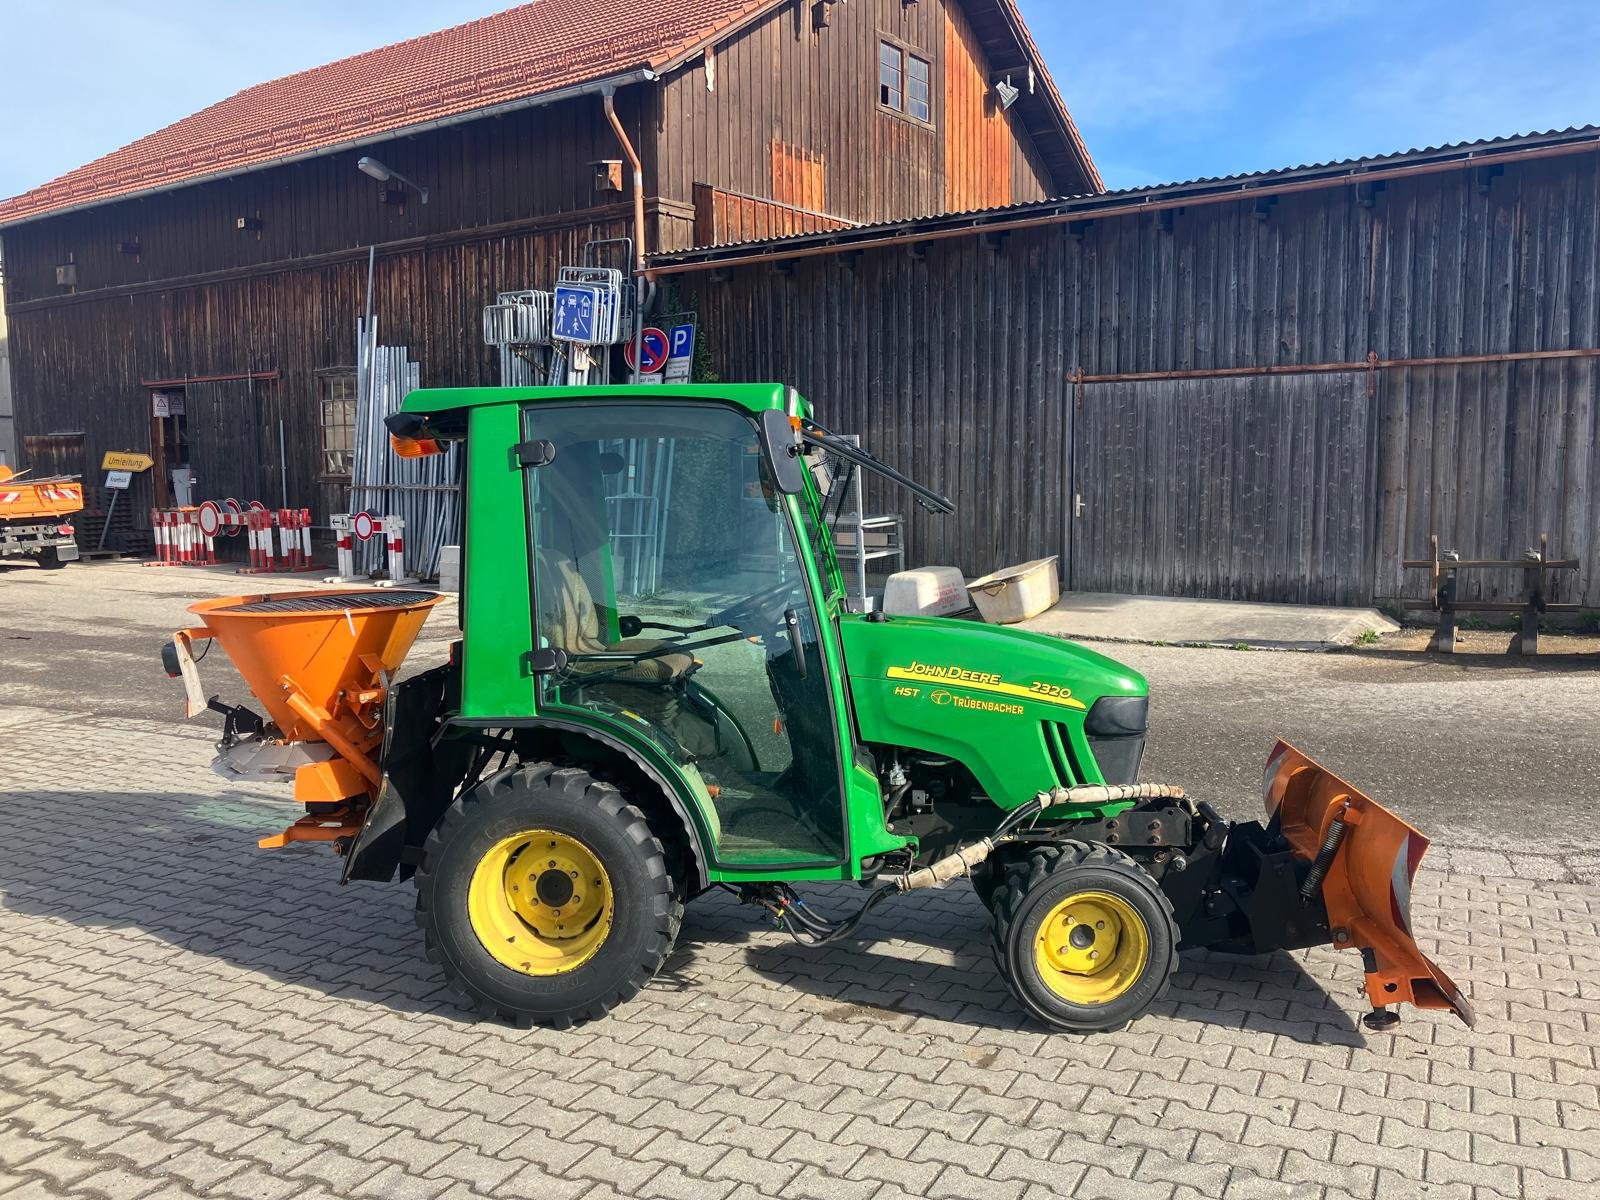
(927, 497)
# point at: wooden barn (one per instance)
(194, 295)
(1268, 387)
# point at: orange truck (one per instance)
(36, 516)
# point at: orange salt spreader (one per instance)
(321, 664)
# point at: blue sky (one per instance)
(1166, 90)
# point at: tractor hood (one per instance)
(1014, 706)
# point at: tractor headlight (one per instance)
(1115, 727)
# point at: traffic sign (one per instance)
(122, 460)
(680, 354)
(653, 346)
(574, 315)
(119, 480)
(210, 518)
(362, 525)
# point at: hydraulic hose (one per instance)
(804, 924)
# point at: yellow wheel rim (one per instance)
(1091, 948)
(540, 902)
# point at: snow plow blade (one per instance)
(1362, 860)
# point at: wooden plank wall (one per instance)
(977, 131)
(533, 163)
(721, 216)
(816, 94)
(79, 360)
(956, 364)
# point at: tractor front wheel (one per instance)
(1083, 936)
(546, 897)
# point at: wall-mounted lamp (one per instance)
(383, 174)
(1006, 92)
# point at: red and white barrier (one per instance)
(348, 528)
(186, 537)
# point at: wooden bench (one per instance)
(1535, 566)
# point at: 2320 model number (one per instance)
(1050, 689)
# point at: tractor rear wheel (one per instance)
(1083, 936)
(50, 559)
(546, 897)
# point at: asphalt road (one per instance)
(1489, 755)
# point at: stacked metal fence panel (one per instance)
(425, 493)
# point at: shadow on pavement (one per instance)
(186, 870)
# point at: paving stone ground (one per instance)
(181, 1014)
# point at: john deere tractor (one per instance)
(660, 689)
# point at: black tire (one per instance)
(50, 559)
(990, 874)
(1034, 886)
(646, 908)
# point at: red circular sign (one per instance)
(210, 518)
(362, 525)
(655, 348)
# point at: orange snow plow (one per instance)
(321, 664)
(1362, 861)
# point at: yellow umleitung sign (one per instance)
(122, 460)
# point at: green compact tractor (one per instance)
(659, 689)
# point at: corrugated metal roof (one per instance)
(524, 52)
(1259, 182)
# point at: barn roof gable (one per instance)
(534, 52)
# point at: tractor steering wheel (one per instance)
(755, 614)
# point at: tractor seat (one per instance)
(574, 625)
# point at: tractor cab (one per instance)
(674, 597)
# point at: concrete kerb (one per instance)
(1228, 624)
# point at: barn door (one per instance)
(230, 453)
(1251, 488)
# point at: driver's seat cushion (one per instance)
(574, 625)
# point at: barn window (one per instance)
(918, 90)
(891, 77)
(905, 82)
(338, 424)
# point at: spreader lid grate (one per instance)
(335, 602)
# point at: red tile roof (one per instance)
(523, 52)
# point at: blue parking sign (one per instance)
(574, 315)
(682, 341)
(680, 352)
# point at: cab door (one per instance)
(666, 569)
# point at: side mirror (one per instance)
(780, 442)
(547, 660)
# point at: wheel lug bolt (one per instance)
(1099, 924)
(1093, 954)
